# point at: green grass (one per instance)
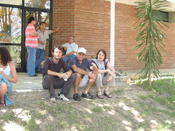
(97, 109)
(31, 125)
(8, 116)
(118, 92)
(155, 104)
(165, 90)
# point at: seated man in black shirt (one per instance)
(82, 66)
(54, 78)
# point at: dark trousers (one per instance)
(51, 83)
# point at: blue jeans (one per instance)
(40, 55)
(31, 59)
(68, 58)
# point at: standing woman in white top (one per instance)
(7, 74)
(105, 75)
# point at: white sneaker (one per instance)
(62, 97)
(53, 99)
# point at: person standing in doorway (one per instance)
(42, 40)
(31, 43)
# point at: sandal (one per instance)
(100, 96)
(107, 94)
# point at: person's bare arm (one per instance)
(34, 34)
(52, 73)
(111, 68)
(13, 77)
(78, 70)
(56, 30)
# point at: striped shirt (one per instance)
(31, 41)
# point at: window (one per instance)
(10, 25)
(14, 15)
(11, 2)
(44, 4)
(15, 52)
(161, 16)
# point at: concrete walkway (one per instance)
(29, 84)
(26, 83)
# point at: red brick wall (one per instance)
(92, 25)
(125, 38)
(63, 17)
(89, 22)
(126, 58)
(169, 50)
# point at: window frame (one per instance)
(23, 26)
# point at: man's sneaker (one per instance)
(62, 97)
(76, 97)
(53, 99)
(88, 96)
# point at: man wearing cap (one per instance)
(82, 68)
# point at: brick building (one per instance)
(89, 22)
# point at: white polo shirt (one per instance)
(71, 47)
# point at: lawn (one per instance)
(132, 108)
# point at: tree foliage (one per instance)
(150, 36)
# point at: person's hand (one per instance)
(94, 68)
(61, 75)
(1, 70)
(65, 76)
(68, 74)
(2, 73)
(109, 71)
(57, 29)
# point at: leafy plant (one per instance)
(150, 36)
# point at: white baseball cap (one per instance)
(81, 50)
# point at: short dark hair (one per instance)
(104, 52)
(31, 19)
(59, 47)
(5, 56)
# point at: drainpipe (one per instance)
(112, 33)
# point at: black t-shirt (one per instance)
(61, 66)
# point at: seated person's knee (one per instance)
(3, 86)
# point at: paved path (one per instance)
(27, 84)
